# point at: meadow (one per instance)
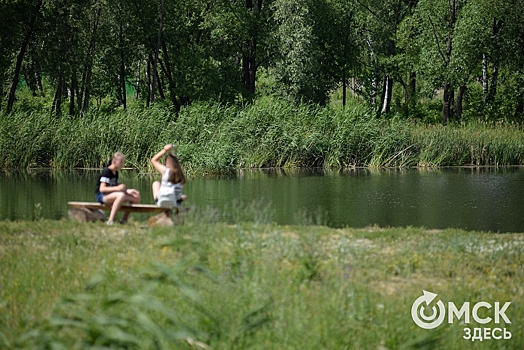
(213, 138)
(241, 282)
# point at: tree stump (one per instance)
(161, 220)
(84, 215)
(168, 218)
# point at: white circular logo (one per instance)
(418, 315)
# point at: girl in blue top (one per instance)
(168, 192)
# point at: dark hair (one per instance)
(176, 175)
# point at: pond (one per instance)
(490, 199)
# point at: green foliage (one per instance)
(120, 320)
(177, 53)
(297, 68)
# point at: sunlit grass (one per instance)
(245, 284)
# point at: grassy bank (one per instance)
(248, 285)
(270, 133)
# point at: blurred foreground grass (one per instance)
(248, 286)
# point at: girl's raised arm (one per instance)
(156, 159)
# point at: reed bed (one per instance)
(212, 138)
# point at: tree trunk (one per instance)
(87, 92)
(406, 88)
(496, 60)
(67, 37)
(249, 68)
(246, 76)
(38, 80)
(344, 66)
(412, 92)
(32, 78)
(253, 68)
(14, 84)
(447, 102)
(374, 84)
(89, 68)
(412, 84)
(485, 84)
(520, 107)
(80, 88)
(451, 101)
(118, 88)
(157, 49)
(386, 94)
(249, 64)
(149, 81)
(20, 58)
(57, 101)
(166, 68)
(344, 88)
(448, 90)
(122, 68)
(29, 78)
(494, 81)
(72, 92)
(160, 86)
(458, 103)
(137, 84)
(445, 112)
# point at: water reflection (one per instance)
(473, 198)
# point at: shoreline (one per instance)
(335, 169)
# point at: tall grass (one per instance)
(269, 133)
(247, 285)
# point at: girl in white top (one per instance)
(168, 193)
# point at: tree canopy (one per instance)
(447, 58)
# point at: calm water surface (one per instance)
(469, 198)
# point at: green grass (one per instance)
(243, 285)
(270, 133)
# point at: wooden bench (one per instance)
(134, 208)
(92, 211)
